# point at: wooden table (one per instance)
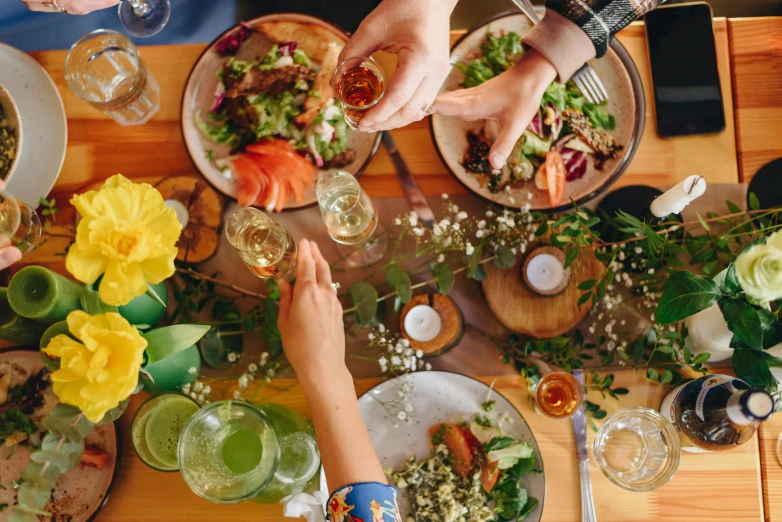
(729, 487)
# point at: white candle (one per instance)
(678, 197)
(423, 323)
(545, 272)
(182, 215)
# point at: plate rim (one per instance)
(631, 148)
(542, 501)
(62, 113)
(209, 46)
(117, 436)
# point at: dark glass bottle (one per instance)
(716, 412)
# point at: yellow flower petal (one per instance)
(84, 267)
(121, 283)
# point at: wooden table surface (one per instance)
(720, 487)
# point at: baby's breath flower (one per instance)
(419, 353)
(401, 415)
(198, 386)
(437, 230)
(192, 370)
(469, 249)
(461, 216)
(243, 381)
(441, 258)
(395, 360)
(371, 336)
(444, 195)
(479, 234)
(405, 343)
(252, 367)
(237, 395)
(231, 356)
(427, 366)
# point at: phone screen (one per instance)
(687, 94)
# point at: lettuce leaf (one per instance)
(507, 457)
(534, 145)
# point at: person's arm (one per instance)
(310, 322)
(418, 32)
(76, 7)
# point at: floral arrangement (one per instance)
(98, 361)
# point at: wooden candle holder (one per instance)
(452, 324)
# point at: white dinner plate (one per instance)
(44, 126)
(439, 397)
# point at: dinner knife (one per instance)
(412, 191)
(580, 430)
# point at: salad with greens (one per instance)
(283, 95)
(566, 124)
(474, 474)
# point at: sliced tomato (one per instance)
(472, 440)
(249, 177)
(270, 199)
(457, 445)
(490, 473)
(94, 457)
(555, 177)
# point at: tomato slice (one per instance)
(457, 445)
(490, 473)
(249, 177)
(94, 457)
(555, 177)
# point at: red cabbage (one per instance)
(562, 141)
(288, 48)
(575, 163)
(546, 132)
(218, 103)
(536, 125)
(231, 43)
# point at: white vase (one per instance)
(707, 332)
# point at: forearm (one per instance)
(345, 448)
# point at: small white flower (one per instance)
(481, 223)
(513, 251)
(194, 395)
(437, 230)
(192, 370)
(529, 195)
(489, 213)
(243, 381)
(638, 250)
(651, 271)
(511, 223)
(407, 364)
(252, 368)
(395, 360)
(186, 389)
(427, 366)
(469, 249)
(523, 247)
(207, 390)
(456, 226)
(371, 336)
(461, 216)
(381, 328)
(405, 343)
(419, 353)
(409, 352)
(592, 329)
(200, 398)
(409, 408)
(397, 222)
(441, 258)
(479, 234)
(445, 223)
(231, 356)
(622, 255)
(237, 395)
(382, 361)
(198, 386)
(444, 196)
(401, 415)
(418, 232)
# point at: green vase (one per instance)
(173, 372)
(38, 293)
(144, 310)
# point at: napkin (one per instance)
(305, 505)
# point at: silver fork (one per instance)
(586, 79)
(579, 429)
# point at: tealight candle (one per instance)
(674, 200)
(42, 295)
(423, 323)
(545, 272)
(182, 214)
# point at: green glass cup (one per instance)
(157, 428)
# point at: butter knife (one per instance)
(413, 193)
(579, 428)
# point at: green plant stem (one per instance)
(226, 284)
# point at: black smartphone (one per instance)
(683, 57)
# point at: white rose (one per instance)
(759, 271)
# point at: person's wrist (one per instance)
(319, 378)
(533, 72)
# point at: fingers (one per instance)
(409, 75)
(322, 269)
(459, 105)
(9, 256)
(285, 302)
(510, 133)
(2, 184)
(362, 44)
(413, 109)
(305, 264)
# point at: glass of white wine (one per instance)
(351, 219)
(267, 249)
(19, 223)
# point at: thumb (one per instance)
(286, 295)
(362, 44)
(509, 134)
(458, 105)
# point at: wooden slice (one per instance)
(452, 324)
(525, 312)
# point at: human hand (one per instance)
(417, 31)
(512, 99)
(8, 254)
(310, 318)
(76, 7)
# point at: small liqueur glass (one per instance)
(267, 249)
(104, 69)
(351, 219)
(559, 395)
(637, 449)
(19, 223)
(359, 85)
(144, 18)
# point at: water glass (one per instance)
(157, 426)
(350, 217)
(358, 84)
(637, 449)
(104, 69)
(19, 223)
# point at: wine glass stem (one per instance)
(140, 7)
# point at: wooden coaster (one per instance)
(525, 312)
(452, 324)
(560, 255)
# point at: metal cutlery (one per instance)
(586, 79)
(412, 191)
(580, 430)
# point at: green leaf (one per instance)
(701, 358)
(772, 328)
(153, 294)
(743, 321)
(702, 256)
(91, 303)
(751, 367)
(652, 374)
(584, 298)
(754, 203)
(601, 414)
(542, 229)
(364, 298)
(589, 284)
(505, 258)
(621, 391)
(666, 377)
(684, 295)
(498, 443)
(570, 257)
(731, 283)
(732, 207)
(474, 263)
(444, 276)
(531, 504)
(398, 279)
(169, 340)
(702, 222)
(273, 288)
(69, 421)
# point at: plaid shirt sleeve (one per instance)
(602, 19)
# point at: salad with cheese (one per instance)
(474, 474)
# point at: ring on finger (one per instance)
(53, 5)
(426, 109)
(335, 286)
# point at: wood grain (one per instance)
(721, 487)
(756, 65)
(523, 311)
(452, 328)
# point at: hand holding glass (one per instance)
(359, 85)
(19, 223)
(266, 248)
